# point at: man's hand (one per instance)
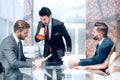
(67, 53)
(73, 62)
(38, 63)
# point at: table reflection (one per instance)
(58, 72)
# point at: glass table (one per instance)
(53, 72)
(59, 72)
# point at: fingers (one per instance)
(39, 62)
(73, 63)
(67, 53)
(107, 71)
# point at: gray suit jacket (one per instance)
(8, 57)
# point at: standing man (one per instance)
(54, 33)
(103, 48)
(11, 52)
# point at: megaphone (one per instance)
(41, 34)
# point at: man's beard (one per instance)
(20, 37)
(95, 37)
(45, 24)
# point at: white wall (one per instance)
(10, 11)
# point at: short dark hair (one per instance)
(21, 25)
(102, 27)
(45, 12)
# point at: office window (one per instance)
(10, 11)
(72, 13)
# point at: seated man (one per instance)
(112, 63)
(110, 66)
(102, 49)
(11, 52)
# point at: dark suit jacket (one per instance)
(100, 55)
(1, 67)
(8, 57)
(56, 42)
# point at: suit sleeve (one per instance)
(99, 56)
(87, 61)
(10, 55)
(67, 37)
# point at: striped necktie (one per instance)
(47, 32)
(47, 35)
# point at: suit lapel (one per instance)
(102, 44)
(15, 43)
(52, 29)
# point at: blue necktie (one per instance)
(98, 46)
(20, 49)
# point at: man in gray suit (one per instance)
(9, 50)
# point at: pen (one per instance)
(47, 57)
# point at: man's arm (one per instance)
(98, 66)
(87, 61)
(10, 55)
(12, 59)
(67, 37)
(99, 56)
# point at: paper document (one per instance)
(74, 71)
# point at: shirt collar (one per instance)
(50, 24)
(16, 39)
(101, 41)
(50, 27)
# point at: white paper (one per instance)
(74, 71)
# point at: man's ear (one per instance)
(50, 16)
(17, 31)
